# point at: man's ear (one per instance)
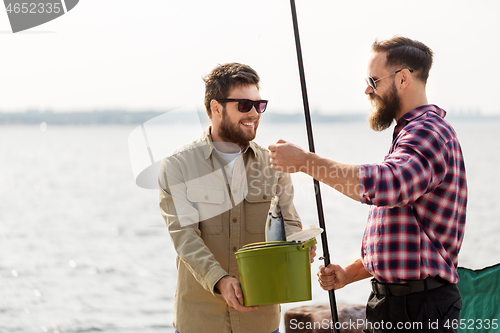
(216, 108)
(405, 79)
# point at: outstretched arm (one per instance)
(288, 157)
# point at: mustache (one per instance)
(249, 119)
(373, 99)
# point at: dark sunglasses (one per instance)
(245, 105)
(373, 83)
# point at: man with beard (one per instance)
(418, 198)
(215, 195)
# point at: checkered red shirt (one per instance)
(418, 195)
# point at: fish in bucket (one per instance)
(278, 270)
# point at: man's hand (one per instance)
(287, 157)
(332, 277)
(230, 289)
(336, 277)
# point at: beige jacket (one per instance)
(210, 215)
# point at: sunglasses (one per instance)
(373, 83)
(245, 105)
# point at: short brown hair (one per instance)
(225, 77)
(406, 53)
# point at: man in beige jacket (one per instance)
(215, 195)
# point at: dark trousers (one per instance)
(435, 310)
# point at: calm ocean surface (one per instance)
(83, 249)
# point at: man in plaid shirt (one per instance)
(418, 198)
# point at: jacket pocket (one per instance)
(257, 203)
(209, 201)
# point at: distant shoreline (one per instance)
(139, 117)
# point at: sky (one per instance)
(152, 54)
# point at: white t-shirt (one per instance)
(230, 158)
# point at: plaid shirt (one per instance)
(418, 195)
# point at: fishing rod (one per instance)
(319, 204)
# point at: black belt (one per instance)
(408, 287)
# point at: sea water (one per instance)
(83, 249)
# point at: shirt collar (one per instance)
(209, 147)
(416, 113)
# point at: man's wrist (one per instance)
(217, 284)
(308, 163)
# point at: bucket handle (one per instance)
(308, 244)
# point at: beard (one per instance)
(384, 109)
(232, 133)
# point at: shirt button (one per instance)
(235, 220)
(206, 197)
(234, 249)
(264, 197)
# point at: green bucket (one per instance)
(275, 272)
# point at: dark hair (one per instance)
(406, 53)
(225, 77)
